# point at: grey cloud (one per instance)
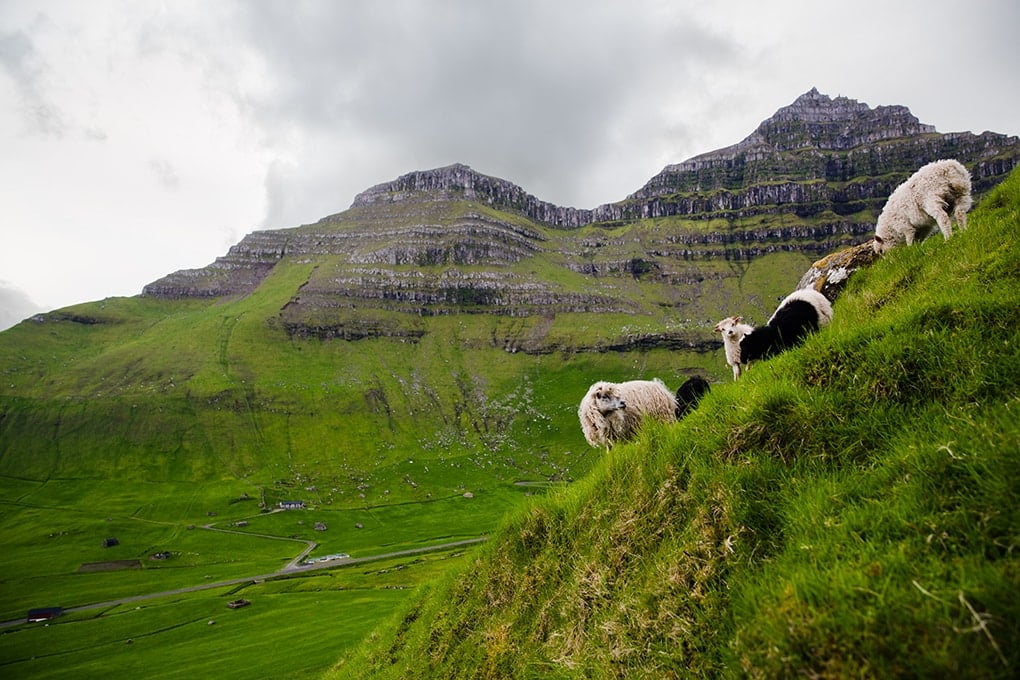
(15, 306)
(523, 90)
(15, 55)
(21, 63)
(165, 173)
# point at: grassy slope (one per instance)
(848, 509)
(138, 418)
(140, 390)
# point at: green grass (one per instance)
(387, 528)
(849, 509)
(292, 628)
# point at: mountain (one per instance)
(425, 296)
(810, 179)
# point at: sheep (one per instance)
(800, 313)
(689, 394)
(732, 332)
(612, 412)
(928, 198)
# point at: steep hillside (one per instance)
(848, 509)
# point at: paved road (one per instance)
(289, 570)
(294, 563)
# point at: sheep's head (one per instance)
(880, 245)
(730, 327)
(606, 399)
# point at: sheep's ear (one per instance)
(738, 319)
(878, 239)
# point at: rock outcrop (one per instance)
(459, 182)
(830, 274)
(240, 271)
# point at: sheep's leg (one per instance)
(960, 211)
(736, 371)
(936, 207)
(961, 218)
(945, 225)
(961, 205)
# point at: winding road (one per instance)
(292, 567)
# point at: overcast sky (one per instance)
(142, 137)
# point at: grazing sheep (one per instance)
(928, 198)
(689, 394)
(612, 412)
(802, 312)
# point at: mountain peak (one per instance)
(461, 182)
(840, 124)
(457, 178)
(829, 127)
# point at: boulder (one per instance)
(830, 274)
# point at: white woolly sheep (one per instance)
(800, 313)
(928, 198)
(732, 332)
(612, 412)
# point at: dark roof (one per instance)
(44, 613)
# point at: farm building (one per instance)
(292, 505)
(44, 614)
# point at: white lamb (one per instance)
(612, 412)
(800, 313)
(928, 198)
(733, 331)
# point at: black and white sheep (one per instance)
(802, 312)
(612, 412)
(936, 194)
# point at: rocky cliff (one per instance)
(819, 153)
(459, 182)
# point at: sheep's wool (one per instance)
(612, 412)
(935, 195)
